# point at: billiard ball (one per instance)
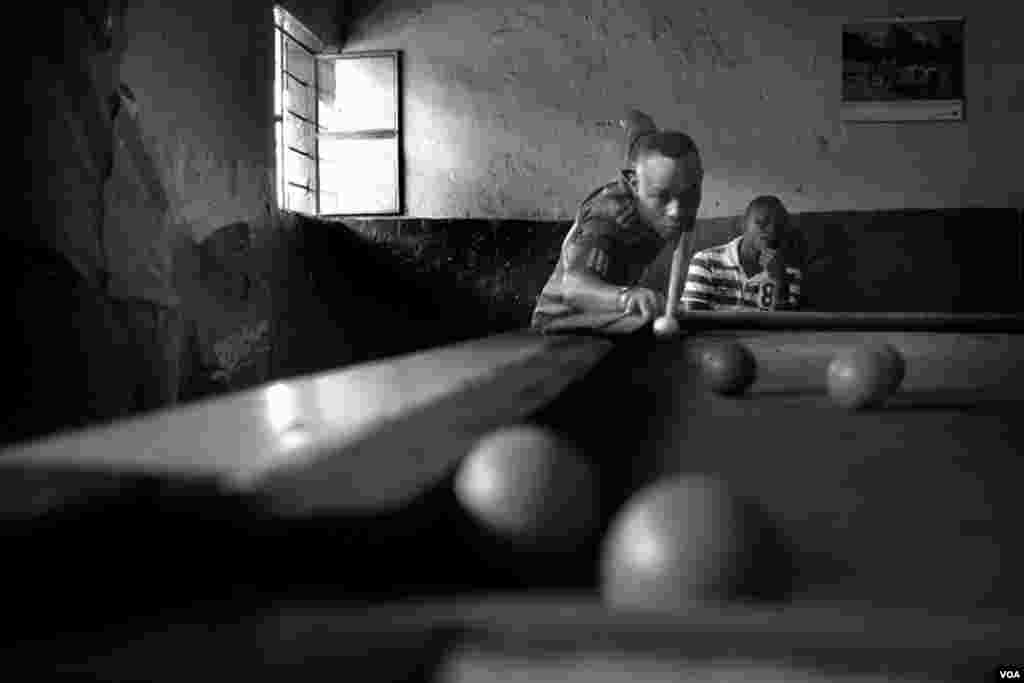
(898, 368)
(861, 377)
(525, 484)
(666, 326)
(676, 544)
(728, 368)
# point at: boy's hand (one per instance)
(643, 301)
(774, 263)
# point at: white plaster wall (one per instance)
(509, 107)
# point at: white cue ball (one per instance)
(666, 326)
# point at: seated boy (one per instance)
(618, 231)
(757, 270)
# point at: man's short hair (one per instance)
(668, 143)
(767, 201)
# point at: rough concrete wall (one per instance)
(202, 74)
(71, 364)
(509, 106)
(852, 260)
(66, 139)
(386, 288)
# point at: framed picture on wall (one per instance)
(903, 69)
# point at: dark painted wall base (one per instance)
(362, 289)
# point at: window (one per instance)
(295, 114)
(337, 126)
(360, 145)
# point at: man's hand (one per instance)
(774, 263)
(642, 301)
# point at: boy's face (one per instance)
(765, 227)
(668, 192)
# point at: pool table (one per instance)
(332, 540)
(912, 504)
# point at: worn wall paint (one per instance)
(202, 74)
(507, 108)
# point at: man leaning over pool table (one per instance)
(619, 230)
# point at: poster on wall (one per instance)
(903, 69)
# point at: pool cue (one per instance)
(821, 321)
(667, 325)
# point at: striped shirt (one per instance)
(716, 281)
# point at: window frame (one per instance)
(395, 132)
(287, 27)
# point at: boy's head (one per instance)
(666, 179)
(766, 222)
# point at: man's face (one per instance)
(668, 192)
(765, 227)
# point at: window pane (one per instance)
(325, 83)
(366, 96)
(298, 61)
(299, 200)
(299, 134)
(298, 98)
(279, 164)
(278, 72)
(358, 176)
(299, 169)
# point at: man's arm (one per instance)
(591, 293)
(588, 259)
(697, 290)
(783, 267)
